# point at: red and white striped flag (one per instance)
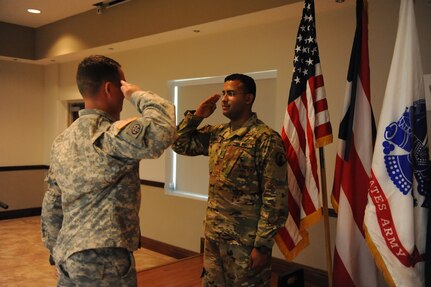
(306, 127)
(396, 214)
(353, 262)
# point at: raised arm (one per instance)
(191, 140)
(146, 136)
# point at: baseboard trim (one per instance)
(23, 167)
(12, 214)
(152, 183)
(165, 248)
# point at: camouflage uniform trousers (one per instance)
(227, 265)
(98, 267)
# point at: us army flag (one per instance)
(398, 198)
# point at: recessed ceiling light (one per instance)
(34, 11)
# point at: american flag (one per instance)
(306, 127)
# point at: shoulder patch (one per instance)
(134, 129)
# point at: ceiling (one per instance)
(15, 11)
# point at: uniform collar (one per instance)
(85, 112)
(242, 130)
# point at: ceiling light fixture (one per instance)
(33, 11)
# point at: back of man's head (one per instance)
(93, 71)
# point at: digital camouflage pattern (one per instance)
(103, 267)
(247, 196)
(93, 195)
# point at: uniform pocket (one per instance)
(84, 266)
(123, 262)
(239, 162)
(230, 160)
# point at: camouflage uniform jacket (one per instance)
(247, 196)
(93, 195)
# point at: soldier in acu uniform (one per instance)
(247, 197)
(90, 220)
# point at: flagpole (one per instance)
(325, 215)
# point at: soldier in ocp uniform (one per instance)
(90, 221)
(247, 196)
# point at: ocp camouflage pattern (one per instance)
(247, 196)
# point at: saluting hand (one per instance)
(207, 107)
(128, 89)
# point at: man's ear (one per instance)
(107, 87)
(250, 98)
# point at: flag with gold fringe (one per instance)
(306, 127)
(399, 194)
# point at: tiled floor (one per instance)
(24, 259)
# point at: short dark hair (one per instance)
(247, 82)
(93, 71)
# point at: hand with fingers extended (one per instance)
(207, 107)
(128, 89)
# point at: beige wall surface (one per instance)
(22, 189)
(11, 35)
(21, 114)
(266, 46)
